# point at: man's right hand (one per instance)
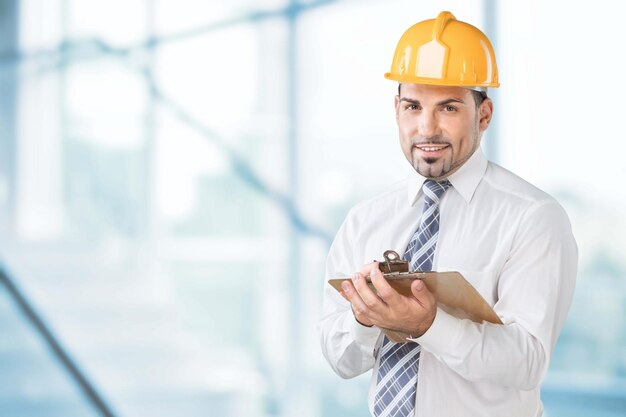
(349, 293)
(385, 307)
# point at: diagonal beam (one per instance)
(97, 46)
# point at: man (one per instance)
(457, 212)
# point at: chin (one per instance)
(429, 170)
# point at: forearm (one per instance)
(506, 355)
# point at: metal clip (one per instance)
(393, 263)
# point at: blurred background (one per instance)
(172, 174)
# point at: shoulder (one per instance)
(509, 186)
(510, 191)
(512, 194)
(380, 204)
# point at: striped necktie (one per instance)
(396, 382)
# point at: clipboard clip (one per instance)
(394, 267)
(393, 263)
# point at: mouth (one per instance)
(431, 150)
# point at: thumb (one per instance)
(417, 288)
(422, 294)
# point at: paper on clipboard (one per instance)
(451, 290)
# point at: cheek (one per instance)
(408, 132)
(465, 139)
(405, 134)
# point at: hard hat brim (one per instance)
(436, 81)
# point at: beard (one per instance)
(433, 168)
(440, 167)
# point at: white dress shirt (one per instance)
(512, 242)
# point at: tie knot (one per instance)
(433, 190)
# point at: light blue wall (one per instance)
(173, 173)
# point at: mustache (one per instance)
(432, 140)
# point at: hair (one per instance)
(479, 96)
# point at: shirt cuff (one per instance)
(442, 335)
(362, 334)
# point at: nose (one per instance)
(428, 124)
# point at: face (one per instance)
(440, 127)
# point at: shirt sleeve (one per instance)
(347, 345)
(535, 290)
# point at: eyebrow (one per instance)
(441, 103)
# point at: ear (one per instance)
(485, 112)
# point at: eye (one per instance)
(411, 107)
(449, 108)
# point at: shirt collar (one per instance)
(464, 180)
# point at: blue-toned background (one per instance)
(172, 173)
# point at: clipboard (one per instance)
(452, 292)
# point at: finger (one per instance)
(367, 269)
(359, 308)
(369, 297)
(422, 294)
(384, 289)
(343, 292)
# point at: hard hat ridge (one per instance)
(440, 23)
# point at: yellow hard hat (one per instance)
(444, 51)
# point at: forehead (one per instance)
(424, 92)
